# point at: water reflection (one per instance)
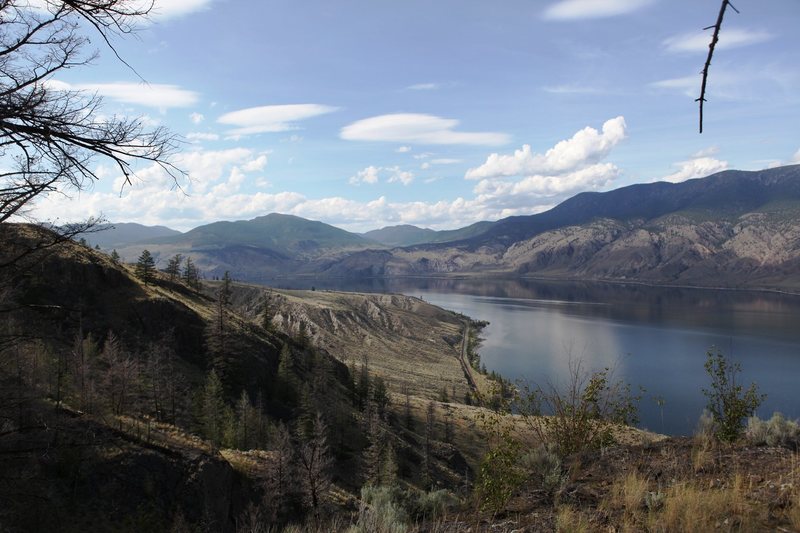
(655, 337)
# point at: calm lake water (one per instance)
(656, 338)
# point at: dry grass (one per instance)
(690, 508)
(570, 520)
(628, 494)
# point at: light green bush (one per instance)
(777, 431)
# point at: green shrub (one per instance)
(582, 415)
(728, 402)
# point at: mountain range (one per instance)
(734, 229)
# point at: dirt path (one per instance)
(463, 358)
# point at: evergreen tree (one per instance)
(145, 266)
(173, 269)
(380, 396)
(115, 257)
(215, 415)
(191, 275)
(268, 311)
(225, 290)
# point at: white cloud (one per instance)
(166, 9)
(742, 82)
(570, 88)
(255, 165)
(425, 166)
(445, 161)
(159, 96)
(706, 152)
(368, 175)
(530, 189)
(697, 167)
(197, 136)
(403, 149)
(271, 118)
(584, 9)
(585, 147)
(197, 118)
(400, 176)
(796, 157)
(417, 128)
(728, 38)
(423, 87)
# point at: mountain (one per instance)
(254, 249)
(119, 234)
(734, 229)
(408, 235)
(402, 235)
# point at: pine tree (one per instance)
(215, 415)
(145, 266)
(225, 290)
(173, 269)
(191, 275)
(115, 257)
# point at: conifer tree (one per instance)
(190, 274)
(145, 266)
(215, 415)
(173, 269)
(225, 290)
(115, 257)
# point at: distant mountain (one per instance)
(408, 235)
(120, 234)
(402, 235)
(252, 249)
(734, 228)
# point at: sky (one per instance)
(364, 114)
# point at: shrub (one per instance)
(392, 509)
(777, 431)
(728, 402)
(544, 470)
(582, 415)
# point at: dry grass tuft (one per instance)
(569, 520)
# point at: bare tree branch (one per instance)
(714, 39)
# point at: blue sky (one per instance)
(439, 114)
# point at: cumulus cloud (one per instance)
(585, 147)
(197, 118)
(157, 95)
(400, 176)
(585, 9)
(796, 157)
(271, 118)
(403, 149)
(730, 38)
(255, 165)
(696, 167)
(416, 128)
(368, 175)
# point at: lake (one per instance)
(653, 337)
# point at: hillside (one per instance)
(112, 381)
(120, 234)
